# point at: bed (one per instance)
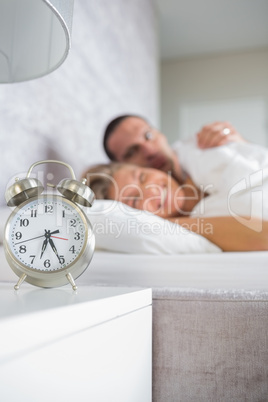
(210, 320)
(210, 309)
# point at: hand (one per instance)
(215, 134)
(37, 237)
(51, 242)
(44, 246)
(47, 239)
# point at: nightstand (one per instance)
(91, 345)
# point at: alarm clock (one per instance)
(49, 240)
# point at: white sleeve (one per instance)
(213, 169)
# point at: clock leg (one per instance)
(71, 280)
(22, 278)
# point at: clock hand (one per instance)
(61, 238)
(44, 247)
(51, 242)
(55, 231)
(37, 237)
(24, 241)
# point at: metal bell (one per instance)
(22, 190)
(77, 191)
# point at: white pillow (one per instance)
(123, 229)
(120, 228)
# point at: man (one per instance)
(131, 139)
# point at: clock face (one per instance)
(48, 233)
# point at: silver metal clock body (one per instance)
(48, 241)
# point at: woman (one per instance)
(159, 193)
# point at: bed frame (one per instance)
(210, 320)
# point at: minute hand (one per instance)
(51, 242)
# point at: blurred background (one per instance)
(214, 65)
(179, 63)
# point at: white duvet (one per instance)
(235, 176)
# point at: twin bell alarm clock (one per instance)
(48, 240)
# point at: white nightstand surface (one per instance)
(35, 316)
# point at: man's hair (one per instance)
(110, 129)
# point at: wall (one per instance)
(214, 78)
(112, 69)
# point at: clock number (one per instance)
(47, 263)
(72, 249)
(18, 235)
(63, 214)
(73, 223)
(24, 222)
(62, 259)
(32, 258)
(22, 249)
(33, 213)
(77, 236)
(48, 208)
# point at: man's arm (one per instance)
(216, 134)
(227, 233)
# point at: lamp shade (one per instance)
(35, 37)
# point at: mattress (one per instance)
(244, 271)
(209, 319)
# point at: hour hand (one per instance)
(44, 246)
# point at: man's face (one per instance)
(134, 141)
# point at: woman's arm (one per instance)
(229, 234)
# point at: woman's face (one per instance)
(148, 189)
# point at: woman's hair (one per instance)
(100, 178)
